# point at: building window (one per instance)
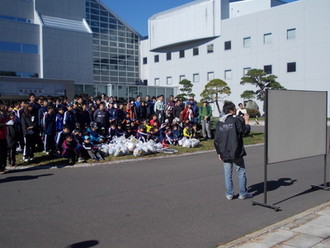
(291, 33)
(182, 77)
(145, 82)
(195, 51)
(196, 77)
(245, 70)
(157, 82)
(227, 45)
(291, 67)
(268, 38)
(247, 42)
(210, 75)
(18, 47)
(210, 48)
(169, 80)
(181, 54)
(145, 60)
(268, 69)
(228, 74)
(168, 56)
(156, 58)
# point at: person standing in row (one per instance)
(205, 113)
(228, 142)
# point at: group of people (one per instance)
(75, 129)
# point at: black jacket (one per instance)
(228, 140)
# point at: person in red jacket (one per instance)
(187, 113)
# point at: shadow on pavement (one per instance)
(311, 190)
(84, 244)
(22, 178)
(257, 189)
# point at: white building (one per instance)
(209, 39)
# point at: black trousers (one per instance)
(3, 154)
(12, 154)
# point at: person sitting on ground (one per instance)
(171, 138)
(187, 132)
(120, 131)
(176, 131)
(92, 150)
(112, 131)
(142, 134)
(60, 139)
(195, 131)
(77, 136)
(94, 134)
(68, 149)
(154, 121)
(155, 135)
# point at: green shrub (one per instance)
(253, 113)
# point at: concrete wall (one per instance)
(68, 9)
(67, 55)
(19, 88)
(197, 20)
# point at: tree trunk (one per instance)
(218, 107)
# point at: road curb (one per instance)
(289, 223)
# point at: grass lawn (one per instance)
(42, 159)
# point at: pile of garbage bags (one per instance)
(121, 146)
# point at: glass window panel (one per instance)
(228, 74)
(123, 92)
(79, 89)
(161, 91)
(291, 67)
(245, 70)
(143, 91)
(90, 90)
(152, 91)
(10, 46)
(196, 77)
(195, 51)
(247, 42)
(268, 69)
(227, 45)
(210, 75)
(268, 38)
(210, 48)
(157, 81)
(182, 77)
(168, 92)
(291, 33)
(169, 80)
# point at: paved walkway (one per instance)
(310, 229)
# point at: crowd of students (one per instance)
(74, 130)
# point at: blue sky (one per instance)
(136, 13)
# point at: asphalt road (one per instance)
(161, 203)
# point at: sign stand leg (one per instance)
(325, 184)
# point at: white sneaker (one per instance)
(229, 197)
(247, 196)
